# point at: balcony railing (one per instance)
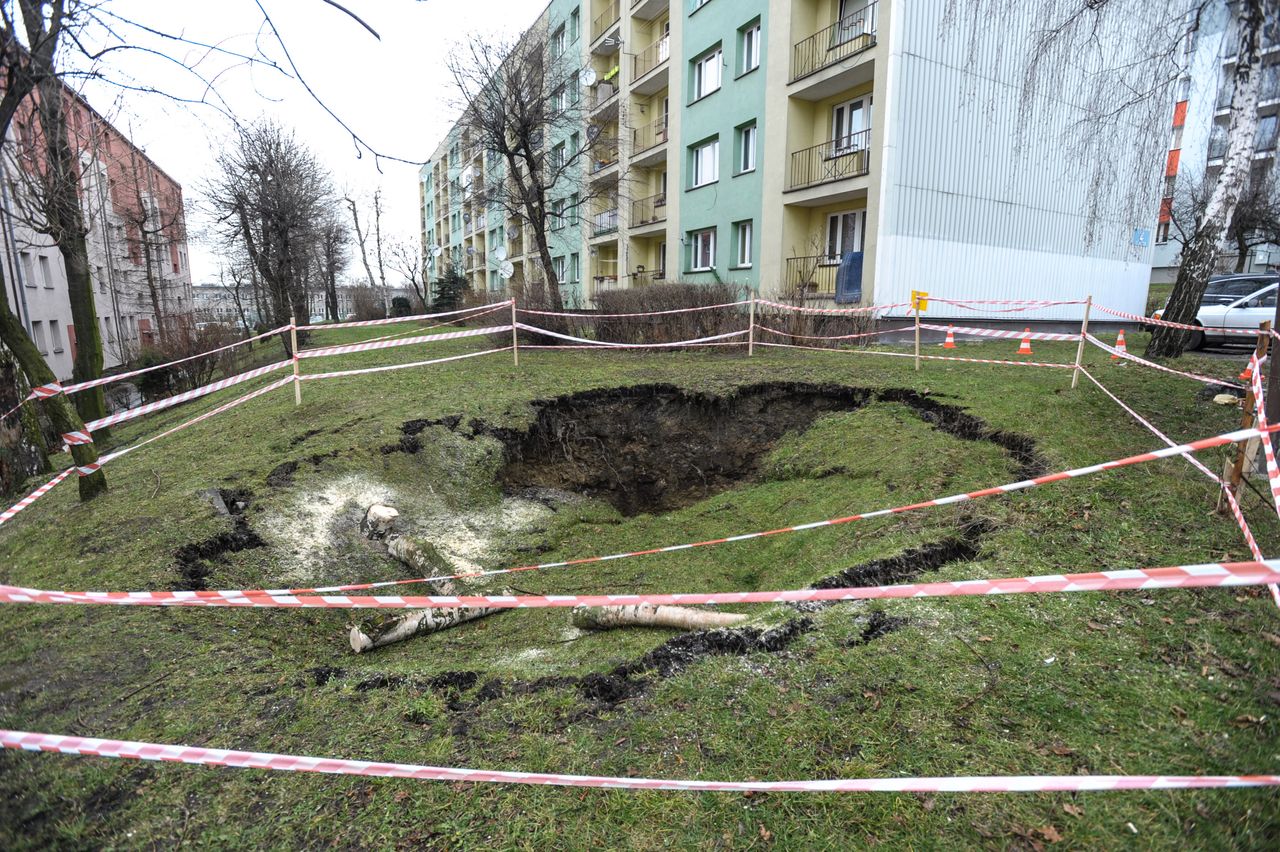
(852, 34)
(846, 157)
(601, 94)
(643, 279)
(649, 136)
(604, 222)
(606, 19)
(645, 211)
(814, 275)
(602, 158)
(651, 57)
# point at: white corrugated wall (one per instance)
(967, 211)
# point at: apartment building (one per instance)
(1198, 137)
(839, 151)
(135, 216)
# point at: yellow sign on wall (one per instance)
(920, 301)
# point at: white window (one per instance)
(742, 234)
(46, 271)
(557, 157)
(37, 336)
(750, 49)
(575, 268)
(559, 99)
(28, 268)
(55, 335)
(558, 42)
(706, 74)
(107, 330)
(844, 234)
(662, 260)
(848, 121)
(575, 24)
(706, 163)
(558, 264)
(747, 149)
(857, 18)
(703, 255)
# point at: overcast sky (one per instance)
(394, 92)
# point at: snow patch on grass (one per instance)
(318, 518)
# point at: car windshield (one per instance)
(1225, 292)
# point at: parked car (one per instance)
(1245, 300)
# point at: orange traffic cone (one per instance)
(1120, 345)
(1025, 348)
(951, 339)
(1247, 373)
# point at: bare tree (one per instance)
(405, 257)
(271, 196)
(520, 107)
(334, 256)
(1256, 221)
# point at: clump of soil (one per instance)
(194, 559)
(654, 448)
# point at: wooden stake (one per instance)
(515, 335)
(751, 326)
(1084, 329)
(293, 346)
(1235, 468)
(915, 309)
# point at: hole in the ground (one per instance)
(654, 448)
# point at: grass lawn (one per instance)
(1136, 682)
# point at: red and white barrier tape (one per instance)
(609, 345)
(408, 341)
(590, 315)
(71, 439)
(93, 383)
(997, 332)
(1017, 305)
(923, 357)
(834, 311)
(1213, 574)
(829, 336)
(34, 495)
(1260, 411)
(133, 750)
(1209, 380)
(414, 318)
(185, 396)
(41, 392)
(1153, 321)
(306, 377)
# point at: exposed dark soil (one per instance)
(654, 448)
(194, 560)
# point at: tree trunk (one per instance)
(371, 633)
(66, 220)
(680, 617)
(22, 448)
(60, 410)
(1242, 252)
(1200, 253)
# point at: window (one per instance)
(747, 148)
(706, 74)
(575, 144)
(706, 163)
(742, 243)
(558, 264)
(557, 157)
(46, 272)
(857, 18)
(575, 89)
(1176, 142)
(698, 4)
(557, 214)
(558, 42)
(844, 234)
(848, 121)
(749, 48)
(703, 250)
(575, 268)
(574, 203)
(575, 25)
(662, 260)
(37, 336)
(107, 332)
(55, 335)
(559, 99)
(28, 268)
(1265, 138)
(1162, 232)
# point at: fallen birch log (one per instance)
(682, 617)
(368, 635)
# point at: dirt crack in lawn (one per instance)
(194, 559)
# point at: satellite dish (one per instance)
(506, 270)
(589, 77)
(466, 217)
(436, 251)
(500, 253)
(468, 175)
(593, 132)
(471, 250)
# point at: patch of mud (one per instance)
(655, 448)
(195, 560)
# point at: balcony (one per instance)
(647, 142)
(846, 157)
(603, 97)
(849, 36)
(649, 67)
(644, 279)
(605, 24)
(604, 160)
(813, 275)
(648, 211)
(647, 10)
(604, 223)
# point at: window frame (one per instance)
(706, 238)
(749, 47)
(746, 228)
(859, 231)
(714, 160)
(713, 58)
(748, 141)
